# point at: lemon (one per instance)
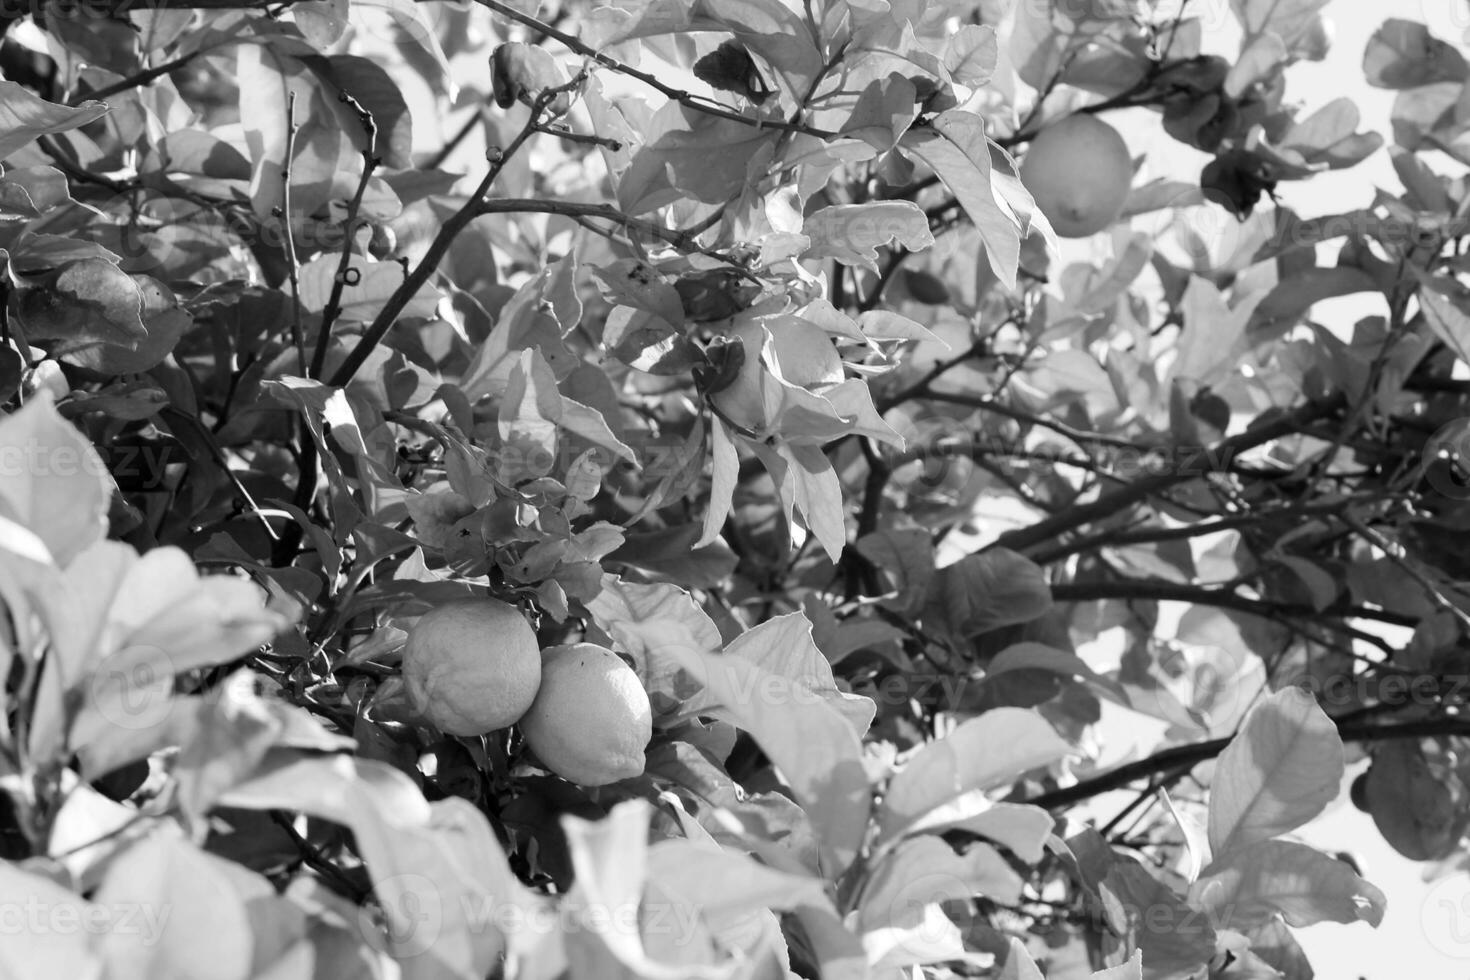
(591, 720)
(472, 666)
(1079, 171)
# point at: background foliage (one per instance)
(726, 335)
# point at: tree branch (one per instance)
(683, 98)
(1162, 591)
(1196, 464)
(1193, 754)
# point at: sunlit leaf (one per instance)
(1280, 771)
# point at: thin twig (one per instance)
(1410, 568)
(699, 104)
(370, 163)
(145, 77)
(293, 265)
(1181, 755)
(439, 247)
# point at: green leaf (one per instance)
(681, 870)
(1019, 964)
(983, 754)
(1249, 885)
(690, 153)
(1132, 970)
(984, 591)
(811, 742)
(527, 420)
(907, 556)
(1292, 298)
(850, 233)
(926, 871)
(163, 872)
(883, 112)
(413, 23)
(610, 861)
(322, 22)
(648, 621)
(674, 555)
(165, 322)
(1214, 332)
(971, 54)
(1281, 770)
(632, 282)
(724, 474)
(1176, 940)
(374, 89)
(1403, 54)
(816, 493)
(434, 867)
(1287, 19)
(368, 288)
(647, 342)
(1413, 808)
(59, 490)
(1447, 311)
(136, 622)
(25, 116)
(784, 647)
(1329, 138)
(46, 952)
(958, 151)
(1039, 656)
(766, 27)
(89, 301)
(268, 77)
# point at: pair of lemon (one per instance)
(473, 666)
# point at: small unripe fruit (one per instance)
(472, 666)
(1359, 793)
(1079, 171)
(591, 720)
(522, 72)
(803, 354)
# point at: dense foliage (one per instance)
(725, 335)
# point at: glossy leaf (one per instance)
(1247, 886)
(1279, 772)
(983, 754)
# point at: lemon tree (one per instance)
(650, 491)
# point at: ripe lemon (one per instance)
(591, 720)
(1079, 171)
(472, 666)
